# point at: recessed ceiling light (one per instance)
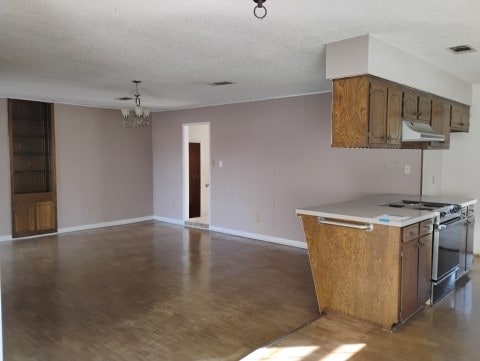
(461, 49)
(220, 83)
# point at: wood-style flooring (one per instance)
(150, 291)
(448, 331)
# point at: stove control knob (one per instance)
(443, 214)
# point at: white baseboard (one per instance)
(5, 237)
(256, 236)
(169, 220)
(260, 237)
(104, 224)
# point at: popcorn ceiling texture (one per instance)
(87, 52)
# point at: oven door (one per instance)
(448, 256)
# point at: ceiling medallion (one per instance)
(139, 116)
(260, 11)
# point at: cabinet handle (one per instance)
(420, 113)
(366, 226)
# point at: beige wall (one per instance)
(5, 208)
(459, 167)
(101, 166)
(276, 157)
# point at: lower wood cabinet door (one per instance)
(45, 212)
(424, 268)
(24, 218)
(409, 298)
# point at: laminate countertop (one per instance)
(373, 209)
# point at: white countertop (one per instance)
(370, 209)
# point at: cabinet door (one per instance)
(465, 120)
(378, 114)
(45, 216)
(410, 105)
(424, 108)
(394, 116)
(441, 123)
(456, 118)
(424, 268)
(409, 278)
(23, 218)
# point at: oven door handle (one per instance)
(449, 223)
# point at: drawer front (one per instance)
(410, 232)
(426, 227)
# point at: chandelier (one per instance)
(138, 116)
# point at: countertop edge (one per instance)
(344, 217)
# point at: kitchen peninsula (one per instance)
(371, 258)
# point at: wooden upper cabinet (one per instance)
(394, 116)
(350, 104)
(441, 123)
(460, 118)
(424, 108)
(417, 106)
(410, 105)
(367, 112)
(378, 113)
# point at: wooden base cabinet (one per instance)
(32, 168)
(416, 272)
(380, 276)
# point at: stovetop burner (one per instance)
(446, 211)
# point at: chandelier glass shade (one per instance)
(137, 116)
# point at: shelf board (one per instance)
(30, 171)
(39, 118)
(31, 153)
(30, 137)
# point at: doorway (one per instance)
(196, 174)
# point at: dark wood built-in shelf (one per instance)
(32, 167)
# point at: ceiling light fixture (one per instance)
(461, 49)
(140, 117)
(257, 10)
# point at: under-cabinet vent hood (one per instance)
(419, 132)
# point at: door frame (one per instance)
(185, 168)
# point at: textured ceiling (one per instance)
(87, 52)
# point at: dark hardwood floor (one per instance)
(150, 291)
(448, 331)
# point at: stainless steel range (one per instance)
(447, 239)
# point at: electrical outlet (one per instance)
(89, 211)
(258, 218)
(408, 169)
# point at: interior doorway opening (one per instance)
(196, 174)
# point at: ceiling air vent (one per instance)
(461, 49)
(220, 83)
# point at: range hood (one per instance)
(419, 132)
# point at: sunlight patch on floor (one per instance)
(344, 352)
(297, 353)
